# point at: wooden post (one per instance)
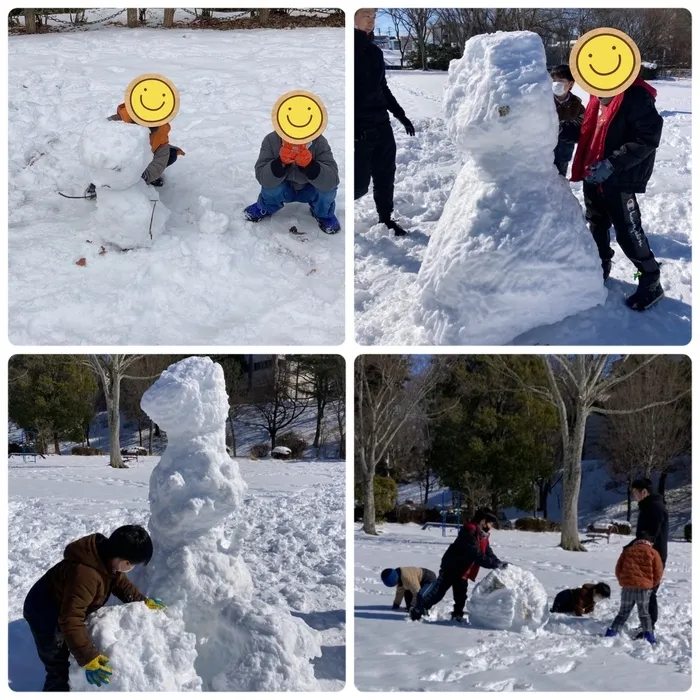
(30, 21)
(168, 17)
(264, 16)
(132, 17)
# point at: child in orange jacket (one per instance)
(639, 570)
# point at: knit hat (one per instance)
(390, 577)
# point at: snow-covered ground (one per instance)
(294, 546)
(427, 164)
(253, 284)
(567, 654)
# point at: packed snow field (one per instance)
(251, 284)
(567, 654)
(386, 267)
(293, 540)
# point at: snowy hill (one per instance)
(568, 654)
(386, 267)
(251, 284)
(293, 545)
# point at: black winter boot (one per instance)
(648, 293)
(392, 225)
(607, 266)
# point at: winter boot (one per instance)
(416, 613)
(90, 192)
(457, 618)
(254, 213)
(611, 633)
(158, 182)
(607, 266)
(649, 636)
(393, 226)
(327, 224)
(648, 293)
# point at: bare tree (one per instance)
(132, 17)
(168, 17)
(30, 21)
(398, 21)
(388, 389)
(419, 20)
(578, 386)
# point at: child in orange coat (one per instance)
(639, 570)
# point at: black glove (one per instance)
(396, 606)
(503, 565)
(408, 126)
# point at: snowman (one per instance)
(511, 251)
(129, 213)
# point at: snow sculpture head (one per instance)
(498, 97)
(114, 153)
(189, 398)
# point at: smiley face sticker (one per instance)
(299, 117)
(152, 100)
(605, 62)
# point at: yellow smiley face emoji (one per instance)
(605, 62)
(152, 100)
(299, 117)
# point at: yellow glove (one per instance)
(97, 672)
(155, 604)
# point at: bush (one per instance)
(437, 57)
(687, 532)
(385, 490)
(294, 442)
(537, 525)
(259, 451)
(86, 451)
(14, 448)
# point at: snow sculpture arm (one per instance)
(80, 591)
(324, 175)
(158, 164)
(269, 170)
(645, 125)
(126, 591)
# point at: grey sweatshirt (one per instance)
(268, 165)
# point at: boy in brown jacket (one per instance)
(639, 570)
(58, 604)
(580, 601)
(408, 581)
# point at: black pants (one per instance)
(172, 157)
(375, 159)
(563, 602)
(654, 606)
(605, 207)
(437, 590)
(562, 166)
(428, 578)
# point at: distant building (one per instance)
(259, 371)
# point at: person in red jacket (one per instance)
(460, 564)
(615, 160)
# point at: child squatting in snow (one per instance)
(580, 601)
(639, 570)
(408, 581)
(58, 604)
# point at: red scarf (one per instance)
(594, 131)
(483, 542)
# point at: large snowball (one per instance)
(511, 251)
(130, 218)
(115, 153)
(508, 599)
(148, 650)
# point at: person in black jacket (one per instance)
(615, 159)
(375, 147)
(653, 521)
(460, 564)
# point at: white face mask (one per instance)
(559, 89)
(125, 570)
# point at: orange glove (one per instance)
(288, 153)
(303, 156)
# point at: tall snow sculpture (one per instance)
(511, 250)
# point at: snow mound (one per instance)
(147, 650)
(511, 251)
(509, 599)
(130, 218)
(115, 153)
(212, 222)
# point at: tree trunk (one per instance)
(341, 446)
(168, 17)
(113, 419)
(319, 419)
(140, 435)
(87, 434)
(264, 16)
(662, 485)
(572, 481)
(30, 21)
(56, 445)
(132, 17)
(233, 436)
(629, 502)
(157, 428)
(369, 524)
(150, 439)
(427, 485)
(273, 438)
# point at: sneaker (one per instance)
(648, 293)
(90, 192)
(611, 633)
(649, 636)
(393, 226)
(607, 266)
(254, 213)
(327, 224)
(158, 182)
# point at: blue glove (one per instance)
(599, 172)
(97, 671)
(155, 604)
